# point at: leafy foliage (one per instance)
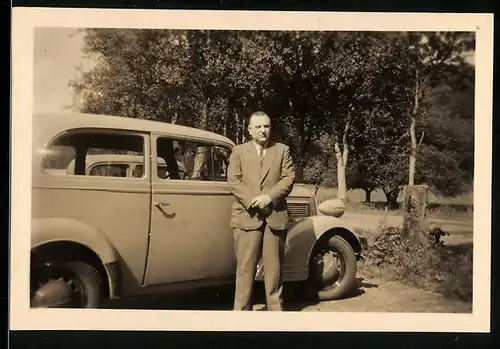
(341, 100)
(444, 269)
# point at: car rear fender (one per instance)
(52, 231)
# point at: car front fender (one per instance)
(324, 224)
(302, 237)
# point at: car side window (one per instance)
(138, 171)
(57, 158)
(109, 170)
(185, 160)
(94, 153)
(221, 162)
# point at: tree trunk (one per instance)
(224, 125)
(368, 195)
(342, 156)
(341, 182)
(237, 127)
(413, 154)
(205, 115)
(299, 171)
(392, 198)
(413, 122)
(240, 127)
(415, 210)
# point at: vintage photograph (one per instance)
(291, 170)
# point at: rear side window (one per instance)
(94, 153)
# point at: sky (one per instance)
(57, 55)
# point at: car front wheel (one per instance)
(333, 269)
(66, 285)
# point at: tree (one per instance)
(297, 90)
(447, 155)
(378, 158)
(408, 97)
(353, 82)
(340, 100)
(416, 63)
(321, 168)
(137, 74)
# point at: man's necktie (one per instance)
(261, 154)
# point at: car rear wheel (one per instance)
(333, 269)
(65, 285)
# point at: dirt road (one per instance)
(384, 296)
(371, 295)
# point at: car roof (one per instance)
(53, 123)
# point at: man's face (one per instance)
(260, 128)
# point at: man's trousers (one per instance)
(249, 246)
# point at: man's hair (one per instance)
(257, 113)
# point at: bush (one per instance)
(443, 269)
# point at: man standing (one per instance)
(261, 175)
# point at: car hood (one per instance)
(303, 190)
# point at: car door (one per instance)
(106, 200)
(190, 236)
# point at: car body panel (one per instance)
(302, 236)
(156, 233)
(49, 125)
(92, 199)
(88, 201)
(47, 230)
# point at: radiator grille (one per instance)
(298, 210)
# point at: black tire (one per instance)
(86, 283)
(90, 281)
(344, 281)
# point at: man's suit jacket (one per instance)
(248, 178)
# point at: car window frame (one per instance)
(229, 150)
(183, 138)
(128, 172)
(145, 135)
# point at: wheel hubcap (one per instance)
(329, 268)
(55, 291)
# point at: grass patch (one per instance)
(459, 207)
(444, 269)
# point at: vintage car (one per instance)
(126, 207)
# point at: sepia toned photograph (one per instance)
(217, 172)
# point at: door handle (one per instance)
(160, 205)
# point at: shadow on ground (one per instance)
(298, 301)
(214, 298)
(221, 298)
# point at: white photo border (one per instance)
(23, 318)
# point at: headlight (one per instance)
(332, 207)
